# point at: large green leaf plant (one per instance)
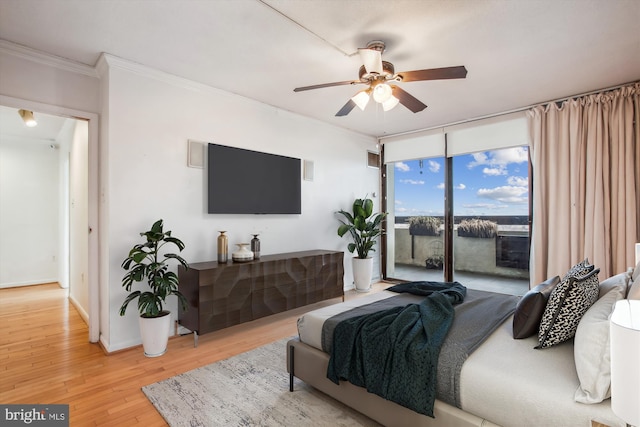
(146, 262)
(362, 225)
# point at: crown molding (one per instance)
(108, 60)
(20, 51)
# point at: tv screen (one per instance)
(250, 182)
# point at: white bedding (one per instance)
(310, 324)
(504, 381)
(510, 383)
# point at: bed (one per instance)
(504, 382)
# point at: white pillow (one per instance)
(634, 290)
(591, 349)
(621, 279)
(636, 272)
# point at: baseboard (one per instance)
(28, 283)
(81, 311)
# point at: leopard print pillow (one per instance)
(568, 302)
(580, 269)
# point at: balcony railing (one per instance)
(506, 255)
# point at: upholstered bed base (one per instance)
(310, 365)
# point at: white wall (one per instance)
(78, 218)
(29, 177)
(148, 119)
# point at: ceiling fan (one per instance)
(380, 77)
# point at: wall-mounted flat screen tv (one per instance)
(251, 182)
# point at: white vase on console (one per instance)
(243, 254)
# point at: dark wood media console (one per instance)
(222, 295)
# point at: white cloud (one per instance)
(412, 181)
(401, 166)
(518, 181)
(505, 194)
(510, 155)
(497, 161)
(478, 159)
(434, 166)
(460, 187)
(490, 206)
(494, 171)
(440, 186)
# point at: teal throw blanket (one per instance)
(386, 351)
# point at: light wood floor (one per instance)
(45, 357)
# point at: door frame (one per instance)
(93, 198)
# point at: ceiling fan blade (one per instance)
(408, 100)
(459, 72)
(346, 109)
(320, 86)
(371, 59)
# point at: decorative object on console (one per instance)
(223, 247)
(145, 261)
(243, 254)
(364, 227)
(255, 246)
(625, 354)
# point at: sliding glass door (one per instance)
(458, 211)
(491, 219)
(418, 213)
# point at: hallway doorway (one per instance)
(45, 184)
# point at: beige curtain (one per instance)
(586, 183)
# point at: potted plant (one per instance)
(424, 226)
(434, 262)
(364, 227)
(480, 228)
(146, 262)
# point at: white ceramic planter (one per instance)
(155, 334)
(362, 273)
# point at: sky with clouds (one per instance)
(485, 183)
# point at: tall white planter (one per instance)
(155, 334)
(362, 273)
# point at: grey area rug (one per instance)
(250, 389)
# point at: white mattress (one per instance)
(505, 381)
(310, 324)
(510, 383)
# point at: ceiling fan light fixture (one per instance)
(27, 117)
(361, 99)
(390, 103)
(371, 57)
(380, 76)
(382, 92)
